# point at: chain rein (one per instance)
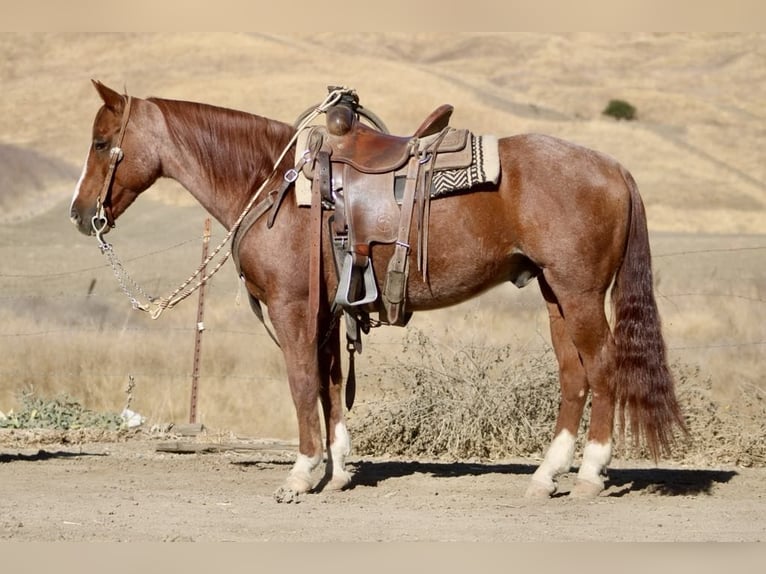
(157, 305)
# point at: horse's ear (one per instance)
(113, 100)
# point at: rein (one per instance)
(156, 306)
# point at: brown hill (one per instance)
(695, 149)
(31, 183)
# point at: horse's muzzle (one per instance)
(84, 221)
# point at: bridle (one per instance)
(103, 217)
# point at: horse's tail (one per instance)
(644, 388)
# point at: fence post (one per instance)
(200, 327)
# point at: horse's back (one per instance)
(553, 163)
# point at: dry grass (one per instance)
(732, 431)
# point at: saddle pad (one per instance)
(484, 168)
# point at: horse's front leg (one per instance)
(304, 386)
(338, 439)
(303, 373)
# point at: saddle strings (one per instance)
(181, 292)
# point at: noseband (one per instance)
(103, 217)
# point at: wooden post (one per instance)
(199, 328)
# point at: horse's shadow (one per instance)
(620, 482)
(665, 481)
(42, 455)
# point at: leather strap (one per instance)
(314, 143)
(254, 215)
(396, 279)
(321, 184)
(425, 201)
(257, 212)
(103, 209)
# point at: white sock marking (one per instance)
(594, 460)
(299, 477)
(340, 449)
(341, 446)
(558, 459)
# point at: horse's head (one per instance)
(121, 163)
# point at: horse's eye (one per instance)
(100, 145)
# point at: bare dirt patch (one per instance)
(128, 491)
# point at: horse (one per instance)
(568, 216)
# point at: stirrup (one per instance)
(344, 284)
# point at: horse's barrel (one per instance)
(340, 118)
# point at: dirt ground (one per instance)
(133, 491)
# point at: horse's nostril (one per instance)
(77, 220)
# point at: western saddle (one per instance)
(374, 182)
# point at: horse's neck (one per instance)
(220, 156)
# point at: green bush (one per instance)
(620, 109)
(61, 413)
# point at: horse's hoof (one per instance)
(293, 490)
(586, 490)
(539, 491)
(339, 481)
(287, 496)
(333, 482)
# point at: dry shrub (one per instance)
(477, 401)
(730, 433)
(733, 432)
(488, 402)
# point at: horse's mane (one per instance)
(230, 145)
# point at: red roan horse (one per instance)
(567, 215)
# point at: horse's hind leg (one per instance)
(574, 391)
(338, 440)
(581, 336)
(594, 341)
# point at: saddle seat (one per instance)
(368, 150)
